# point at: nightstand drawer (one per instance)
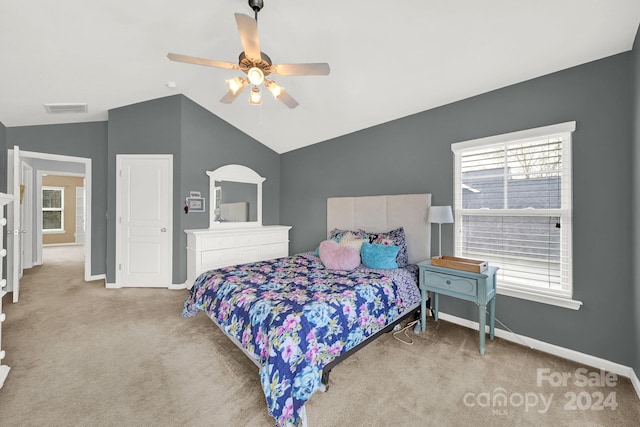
(461, 285)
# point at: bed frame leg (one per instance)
(325, 380)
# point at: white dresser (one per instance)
(4, 199)
(215, 248)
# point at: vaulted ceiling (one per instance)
(388, 59)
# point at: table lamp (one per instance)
(440, 215)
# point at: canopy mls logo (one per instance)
(500, 400)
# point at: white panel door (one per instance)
(14, 226)
(144, 195)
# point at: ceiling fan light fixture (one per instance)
(256, 76)
(275, 89)
(235, 84)
(256, 97)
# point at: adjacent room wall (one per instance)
(413, 154)
(69, 183)
(88, 140)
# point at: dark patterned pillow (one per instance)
(398, 238)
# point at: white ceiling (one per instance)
(388, 59)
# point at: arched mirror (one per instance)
(235, 192)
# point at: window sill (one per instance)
(545, 299)
(53, 231)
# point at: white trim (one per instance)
(555, 350)
(119, 159)
(563, 130)
(88, 180)
(48, 245)
(541, 298)
(60, 230)
(96, 277)
(534, 133)
(173, 286)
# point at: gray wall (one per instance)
(199, 141)
(209, 142)
(413, 154)
(88, 140)
(151, 127)
(636, 196)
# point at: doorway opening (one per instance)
(27, 221)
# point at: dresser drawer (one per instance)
(461, 285)
(219, 258)
(274, 250)
(219, 242)
(248, 240)
(274, 236)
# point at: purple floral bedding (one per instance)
(294, 316)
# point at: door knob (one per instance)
(163, 229)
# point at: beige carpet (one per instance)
(83, 355)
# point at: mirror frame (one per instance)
(234, 173)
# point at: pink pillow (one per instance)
(336, 257)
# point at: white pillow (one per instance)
(349, 239)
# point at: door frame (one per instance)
(88, 176)
(119, 236)
(27, 215)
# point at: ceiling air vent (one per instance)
(66, 108)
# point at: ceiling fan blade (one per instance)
(248, 29)
(287, 100)
(314, 69)
(202, 61)
(230, 96)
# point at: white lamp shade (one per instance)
(440, 215)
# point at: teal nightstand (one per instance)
(476, 287)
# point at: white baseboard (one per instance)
(50, 245)
(178, 286)
(173, 286)
(565, 353)
(95, 277)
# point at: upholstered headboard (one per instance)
(385, 213)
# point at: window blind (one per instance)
(513, 209)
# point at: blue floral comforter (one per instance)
(294, 316)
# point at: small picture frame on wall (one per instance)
(196, 204)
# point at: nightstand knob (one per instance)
(448, 282)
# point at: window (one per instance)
(513, 208)
(52, 209)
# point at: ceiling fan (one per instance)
(255, 64)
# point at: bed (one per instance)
(296, 319)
